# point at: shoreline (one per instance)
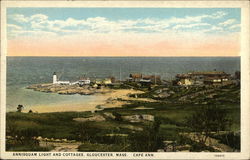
(109, 99)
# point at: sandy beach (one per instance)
(107, 100)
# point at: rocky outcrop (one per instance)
(138, 118)
(67, 89)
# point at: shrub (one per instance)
(147, 140)
(206, 120)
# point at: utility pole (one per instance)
(155, 79)
(120, 75)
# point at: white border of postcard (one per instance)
(245, 107)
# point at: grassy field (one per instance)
(170, 120)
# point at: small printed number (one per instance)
(219, 155)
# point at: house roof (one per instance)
(208, 73)
(136, 75)
(183, 75)
(150, 77)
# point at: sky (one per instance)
(123, 31)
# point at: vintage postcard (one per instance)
(125, 80)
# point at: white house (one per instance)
(63, 82)
(84, 81)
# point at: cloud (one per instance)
(190, 35)
(191, 26)
(218, 15)
(39, 17)
(14, 27)
(185, 20)
(215, 28)
(235, 26)
(193, 19)
(19, 18)
(41, 22)
(227, 22)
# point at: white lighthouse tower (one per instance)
(54, 78)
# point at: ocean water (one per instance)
(24, 71)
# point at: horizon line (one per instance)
(131, 56)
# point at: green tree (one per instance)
(20, 108)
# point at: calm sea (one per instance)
(23, 71)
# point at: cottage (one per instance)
(84, 82)
(98, 81)
(145, 82)
(153, 78)
(203, 78)
(63, 82)
(107, 81)
(113, 80)
(184, 79)
(135, 77)
(145, 79)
